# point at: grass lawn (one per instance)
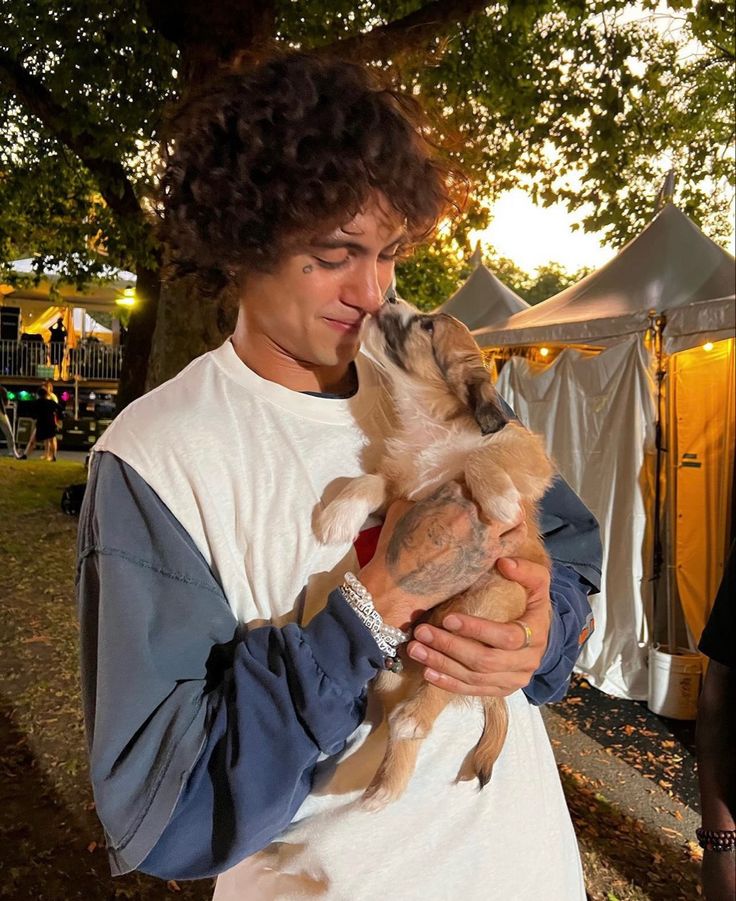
(51, 841)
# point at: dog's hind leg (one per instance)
(393, 774)
(491, 741)
(408, 725)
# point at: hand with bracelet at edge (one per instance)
(715, 742)
(433, 550)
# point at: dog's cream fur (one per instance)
(450, 428)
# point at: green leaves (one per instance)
(580, 101)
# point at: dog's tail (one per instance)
(491, 741)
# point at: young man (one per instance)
(226, 673)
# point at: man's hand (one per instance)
(474, 656)
(432, 550)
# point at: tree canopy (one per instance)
(579, 101)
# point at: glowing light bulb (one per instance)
(544, 351)
(127, 299)
(708, 345)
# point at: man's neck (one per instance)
(274, 365)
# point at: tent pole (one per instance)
(660, 573)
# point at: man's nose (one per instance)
(365, 289)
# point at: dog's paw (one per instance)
(504, 507)
(336, 523)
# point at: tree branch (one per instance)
(110, 175)
(210, 35)
(407, 35)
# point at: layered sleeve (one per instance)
(572, 539)
(187, 712)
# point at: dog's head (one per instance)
(439, 351)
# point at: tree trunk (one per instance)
(137, 352)
(187, 325)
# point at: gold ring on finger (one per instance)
(527, 632)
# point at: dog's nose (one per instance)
(387, 310)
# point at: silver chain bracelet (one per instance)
(388, 638)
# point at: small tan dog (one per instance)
(450, 427)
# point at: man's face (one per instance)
(302, 323)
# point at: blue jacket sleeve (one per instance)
(571, 626)
(188, 713)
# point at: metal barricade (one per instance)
(22, 358)
(95, 362)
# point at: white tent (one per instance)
(483, 300)
(42, 304)
(670, 265)
(638, 412)
(98, 295)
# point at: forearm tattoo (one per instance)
(459, 559)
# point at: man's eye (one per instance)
(332, 264)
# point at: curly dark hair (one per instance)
(262, 160)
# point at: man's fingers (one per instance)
(504, 636)
(532, 576)
(477, 656)
(457, 686)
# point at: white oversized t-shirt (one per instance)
(244, 464)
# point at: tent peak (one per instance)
(476, 258)
(669, 265)
(666, 192)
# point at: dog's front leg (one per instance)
(343, 517)
(490, 487)
(512, 466)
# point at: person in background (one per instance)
(46, 413)
(48, 386)
(715, 740)
(7, 428)
(57, 341)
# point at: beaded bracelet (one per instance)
(387, 637)
(716, 839)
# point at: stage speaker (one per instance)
(9, 323)
(23, 432)
(79, 434)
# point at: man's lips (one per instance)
(344, 325)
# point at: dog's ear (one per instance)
(485, 406)
(461, 364)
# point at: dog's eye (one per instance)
(427, 324)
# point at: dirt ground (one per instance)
(51, 844)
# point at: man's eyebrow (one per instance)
(340, 243)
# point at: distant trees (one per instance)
(570, 100)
